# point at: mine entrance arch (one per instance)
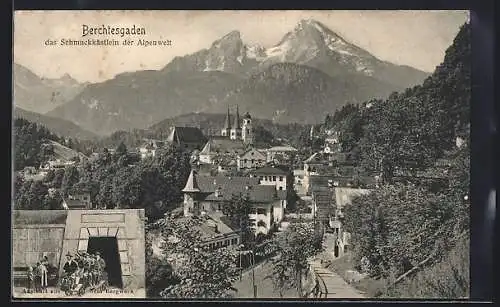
(108, 248)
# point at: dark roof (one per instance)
(252, 150)
(186, 135)
(75, 204)
(229, 186)
(236, 124)
(227, 123)
(223, 145)
(215, 219)
(33, 217)
(266, 170)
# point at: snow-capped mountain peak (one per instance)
(309, 43)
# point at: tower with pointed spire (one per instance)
(227, 125)
(191, 196)
(236, 129)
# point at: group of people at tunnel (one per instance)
(84, 268)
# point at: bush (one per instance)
(447, 279)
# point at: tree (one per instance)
(159, 273)
(237, 209)
(201, 272)
(294, 246)
(32, 195)
(397, 226)
(71, 177)
(121, 150)
(173, 164)
(58, 178)
(126, 188)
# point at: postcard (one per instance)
(241, 154)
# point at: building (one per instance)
(321, 167)
(341, 198)
(233, 141)
(190, 138)
(298, 181)
(56, 164)
(216, 232)
(273, 176)
(238, 131)
(251, 159)
(208, 194)
(280, 153)
(332, 143)
(149, 148)
(227, 167)
(118, 235)
(78, 200)
(218, 147)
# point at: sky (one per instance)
(414, 38)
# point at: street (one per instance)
(265, 287)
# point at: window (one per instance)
(281, 178)
(281, 188)
(253, 161)
(274, 178)
(261, 211)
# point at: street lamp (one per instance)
(252, 264)
(253, 274)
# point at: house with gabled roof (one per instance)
(208, 194)
(217, 147)
(278, 152)
(251, 159)
(149, 148)
(276, 176)
(187, 137)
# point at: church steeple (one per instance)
(228, 120)
(236, 124)
(191, 184)
(227, 125)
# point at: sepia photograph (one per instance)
(241, 155)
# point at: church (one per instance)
(233, 141)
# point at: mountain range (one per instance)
(311, 71)
(42, 95)
(61, 127)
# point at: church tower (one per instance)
(247, 131)
(191, 196)
(227, 125)
(236, 130)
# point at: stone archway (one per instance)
(102, 232)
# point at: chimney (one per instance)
(247, 187)
(216, 229)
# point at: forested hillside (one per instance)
(32, 145)
(29, 139)
(410, 229)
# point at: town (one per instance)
(370, 201)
